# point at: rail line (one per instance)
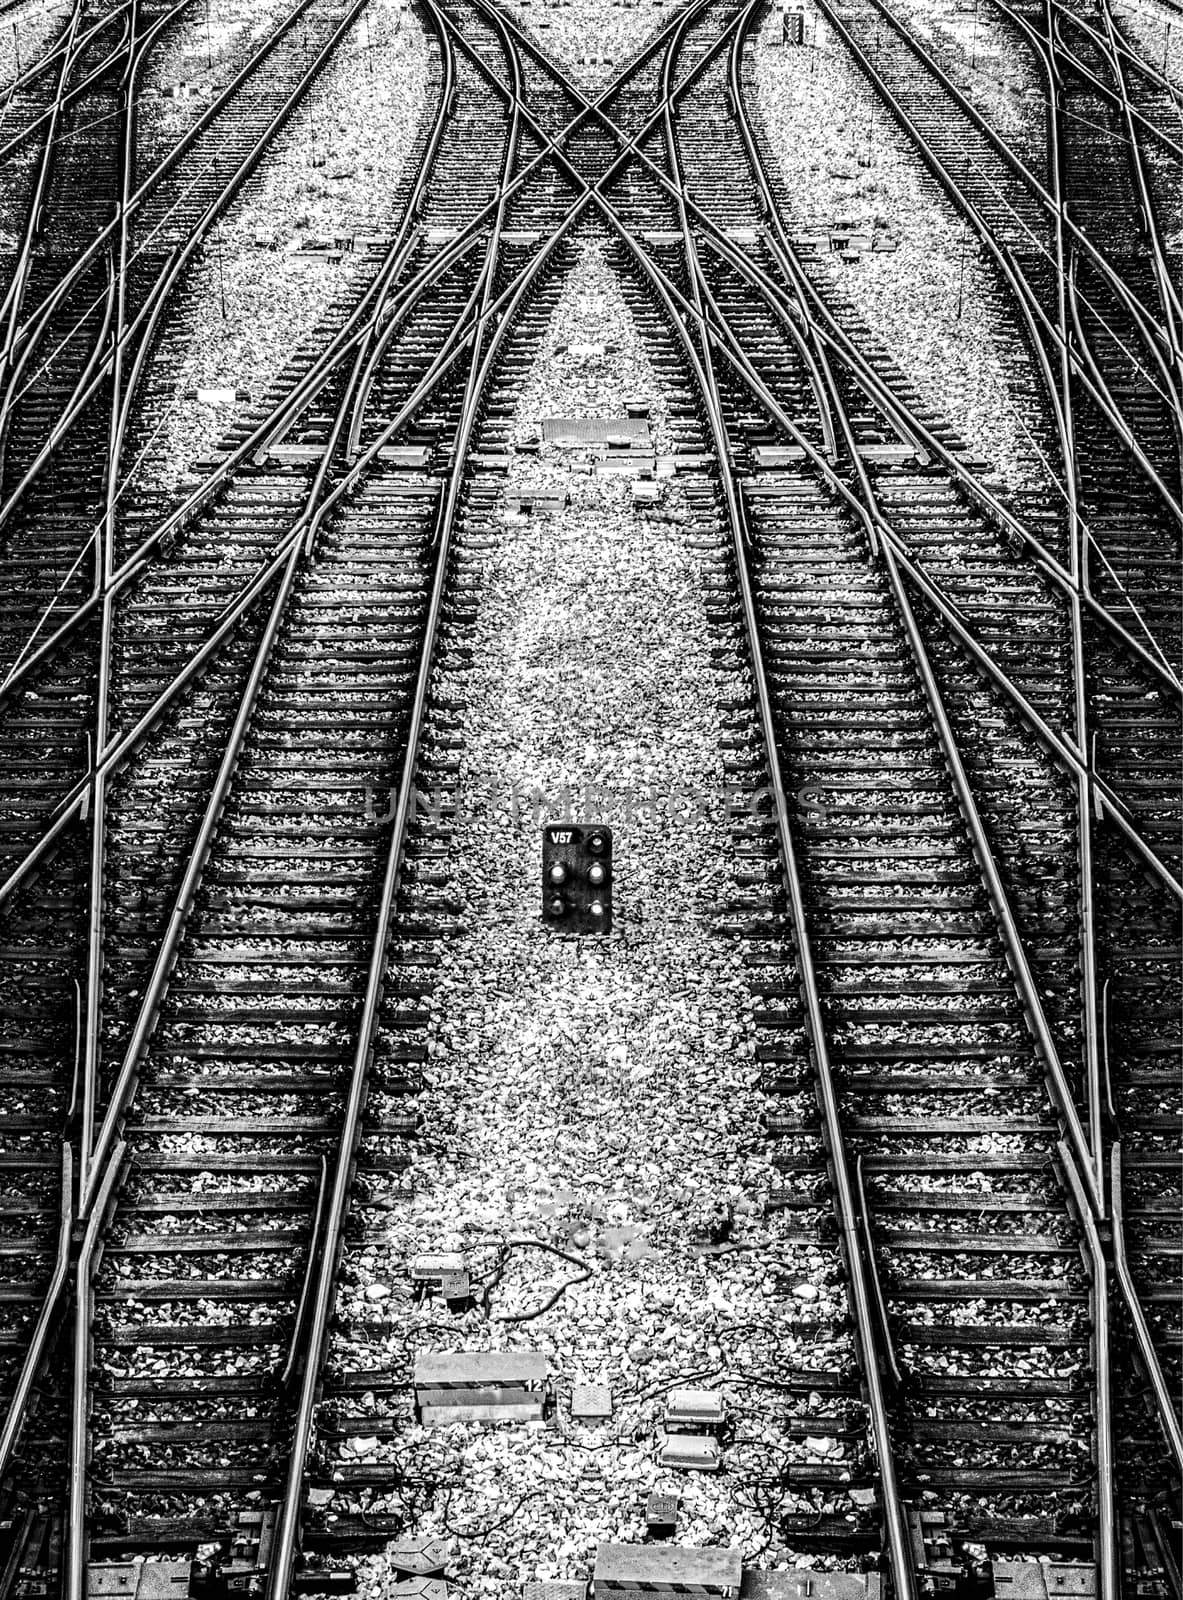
(963, 947)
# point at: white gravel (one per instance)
(843, 161)
(334, 172)
(192, 63)
(1157, 31)
(978, 46)
(591, 39)
(600, 1095)
(24, 35)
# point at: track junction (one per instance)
(958, 741)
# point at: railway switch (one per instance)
(932, 1553)
(250, 1552)
(577, 877)
(480, 1386)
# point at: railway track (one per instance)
(963, 999)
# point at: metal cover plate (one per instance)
(593, 430)
(591, 1402)
(811, 1586)
(419, 1558)
(1031, 1580)
(644, 1566)
(555, 1589)
(139, 1580)
(478, 1369)
(661, 1508)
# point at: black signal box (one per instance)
(577, 877)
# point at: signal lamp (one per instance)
(578, 862)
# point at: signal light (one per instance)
(577, 877)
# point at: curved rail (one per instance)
(1033, 312)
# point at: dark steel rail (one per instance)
(1091, 1194)
(1153, 335)
(134, 335)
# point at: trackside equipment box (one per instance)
(622, 1569)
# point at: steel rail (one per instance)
(146, 187)
(50, 57)
(1079, 66)
(1105, 799)
(685, 313)
(1076, 761)
(38, 67)
(1047, 564)
(915, 431)
(14, 1415)
(1133, 55)
(281, 1569)
(862, 1282)
(74, 1577)
(1088, 1209)
(73, 804)
(280, 417)
(395, 256)
(105, 549)
(295, 545)
(1033, 311)
(1154, 335)
(153, 304)
(14, 294)
(323, 1284)
(1108, 1585)
(1168, 297)
(1164, 1401)
(1078, 571)
(846, 1211)
(1012, 940)
(101, 1169)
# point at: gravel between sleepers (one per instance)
(25, 33)
(250, 295)
(844, 161)
(602, 1094)
(1155, 29)
(193, 62)
(591, 39)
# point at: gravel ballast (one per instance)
(601, 1095)
(591, 39)
(253, 294)
(194, 60)
(843, 161)
(25, 34)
